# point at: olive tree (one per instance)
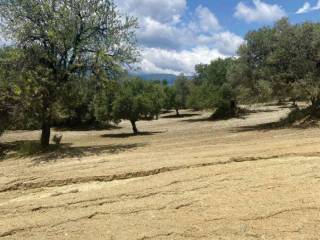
(135, 101)
(285, 58)
(181, 90)
(214, 89)
(64, 39)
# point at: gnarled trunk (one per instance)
(177, 112)
(134, 127)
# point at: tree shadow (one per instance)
(252, 111)
(281, 124)
(128, 135)
(298, 119)
(259, 127)
(242, 114)
(206, 119)
(182, 115)
(88, 128)
(214, 119)
(23, 149)
(166, 111)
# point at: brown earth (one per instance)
(184, 178)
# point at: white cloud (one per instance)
(156, 34)
(170, 45)
(176, 62)
(226, 42)
(207, 48)
(260, 12)
(160, 10)
(308, 8)
(207, 20)
(305, 8)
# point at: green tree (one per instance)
(135, 101)
(65, 38)
(181, 90)
(213, 88)
(250, 71)
(282, 61)
(169, 97)
(155, 93)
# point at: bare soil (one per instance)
(183, 178)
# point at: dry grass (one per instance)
(184, 178)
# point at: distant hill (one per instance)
(157, 76)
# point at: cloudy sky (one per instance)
(174, 35)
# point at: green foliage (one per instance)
(296, 115)
(213, 87)
(180, 92)
(155, 93)
(75, 110)
(136, 100)
(103, 101)
(169, 97)
(64, 40)
(198, 98)
(28, 149)
(33, 148)
(281, 62)
(10, 91)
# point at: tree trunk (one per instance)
(45, 133)
(280, 102)
(233, 106)
(46, 124)
(294, 103)
(134, 127)
(177, 112)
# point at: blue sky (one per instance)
(175, 35)
(224, 11)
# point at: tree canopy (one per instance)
(285, 58)
(64, 40)
(136, 100)
(212, 88)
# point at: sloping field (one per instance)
(184, 178)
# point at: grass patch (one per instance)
(30, 148)
(23, 149)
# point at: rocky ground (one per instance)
(183, 178)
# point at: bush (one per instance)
(297, 115)
(301, 118)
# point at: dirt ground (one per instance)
(183, 178)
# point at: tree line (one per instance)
(66, 68)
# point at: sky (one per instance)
(175, 35)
